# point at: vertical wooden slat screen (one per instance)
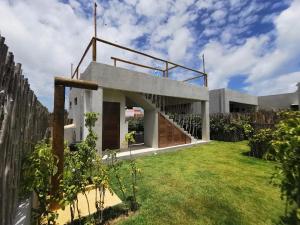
(23, 121)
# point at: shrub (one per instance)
(225, 127)
(37, 170)
(136, 124)
(286, 150)
(260, 143)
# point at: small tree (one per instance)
(37, 171)
(286, 150)
(129, 138)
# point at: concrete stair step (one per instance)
(168, 118)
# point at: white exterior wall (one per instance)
(277, 102)
(76, 111)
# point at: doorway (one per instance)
(111, 125)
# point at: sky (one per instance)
(249, 45)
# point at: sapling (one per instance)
(38, 169)
(129, 138)
(79, 166)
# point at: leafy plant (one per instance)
(129, 138)
(225, 127)
(136, 124)
(248, 130)
(37, 171)
(115, 167)
(286, 150)
(260, 143)
(79, 168)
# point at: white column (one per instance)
(298, 90)
(151, 128)
(205, 120)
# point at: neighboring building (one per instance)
(134, 112)
(225, 101)
(121, 88)
(280, 101)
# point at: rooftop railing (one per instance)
(165, 72)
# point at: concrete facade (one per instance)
(280, 101)
(226, 101)
(123, 85)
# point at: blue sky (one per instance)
(249, 45)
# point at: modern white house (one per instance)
(226, 101)
(280, 101)
(121, 88)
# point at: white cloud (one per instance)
(218, 15)
(264, 59)
(285, 83)
(46, 36)
(222, 62)
(182, 39)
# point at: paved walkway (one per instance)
(143, 150)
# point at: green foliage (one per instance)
(136, 124)
(260, 143)
(116, 170)
(129, 138)
(248, 130)
(223, 127)
(286, 150)
(79, 168)
(37, 170)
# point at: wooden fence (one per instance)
(23, 121)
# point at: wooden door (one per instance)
(111, 125)
(169, 134)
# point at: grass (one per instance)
(208, 184)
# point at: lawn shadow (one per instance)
(289, 219)
(247, 153)
(109, 214)
(221, 210)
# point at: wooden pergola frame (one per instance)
(58, 123)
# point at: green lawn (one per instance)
(207, 184)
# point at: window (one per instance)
(70, 106)
(294, 107)
(75, 101)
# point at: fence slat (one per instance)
(23, 122)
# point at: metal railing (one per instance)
(168, 64)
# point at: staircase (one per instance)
(159, 103)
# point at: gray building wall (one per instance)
(277, 102)
(127, 80)
(298, 85)
(219, 100)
